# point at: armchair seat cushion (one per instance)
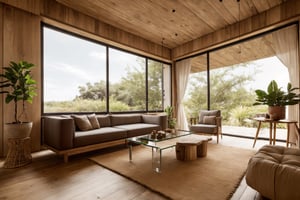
(204, 128)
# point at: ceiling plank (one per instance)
(177, 21)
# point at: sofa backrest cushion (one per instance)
(94, 121)
(82, 122)
(125, 119)
(104, 120)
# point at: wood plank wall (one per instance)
(277, 16)
(21, 41)
(1, 96)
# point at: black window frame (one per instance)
(43, 25)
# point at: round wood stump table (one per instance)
(19, 152)
(191, 149)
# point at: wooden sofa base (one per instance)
(78, 150)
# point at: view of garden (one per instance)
(232, 90)
(128, 94)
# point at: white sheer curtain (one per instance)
(183, 69)
(286, 49)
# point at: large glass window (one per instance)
(74, 74)
(155, 87)
(127, 83)
(79, 72)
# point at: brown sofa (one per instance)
(66, 136)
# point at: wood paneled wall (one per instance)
(1, 96)
(277, 16)
(21, 41)
(32, 6)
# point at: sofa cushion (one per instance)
(125, 119)
(138, 129)
(204, 128)
(82, 122)
(95, 136)
(93, 120)
(104, 120)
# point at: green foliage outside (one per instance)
(228, 94)
(129, 94)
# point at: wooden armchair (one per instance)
(210, 122)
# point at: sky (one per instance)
(272, 69)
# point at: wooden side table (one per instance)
(273, 124)
(19, 152)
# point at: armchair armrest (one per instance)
(58, 132)
(219, 124)
(156, 119)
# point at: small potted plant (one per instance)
(18, 85)
(277, 99)
(171, 120)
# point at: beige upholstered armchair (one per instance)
(209, 123)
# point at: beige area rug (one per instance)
(213, 177)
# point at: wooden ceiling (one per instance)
(258, 48)
(177, 21)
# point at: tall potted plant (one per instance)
(277, 99)
(19, 86)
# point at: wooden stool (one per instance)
(19, 152)
(186, 151)
(202, 148)
(192, 148)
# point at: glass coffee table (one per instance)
(158, 143)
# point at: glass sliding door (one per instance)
(236, 72)
(229, 80)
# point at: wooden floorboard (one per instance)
(48, 177)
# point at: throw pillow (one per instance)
(94, 121)
(82, 122)
(209, 120)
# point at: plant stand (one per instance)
(19, 152)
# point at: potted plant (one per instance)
(18, 85)
(171, 120)
(277, 99)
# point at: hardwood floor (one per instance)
(48, 177)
